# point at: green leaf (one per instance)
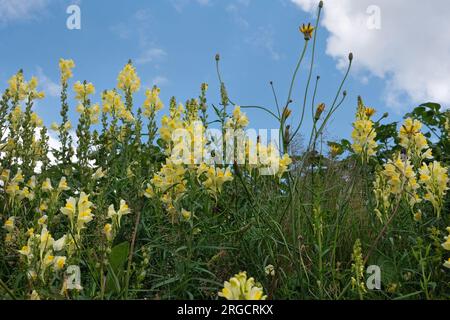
(117, 259)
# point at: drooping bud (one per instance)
(320, 109)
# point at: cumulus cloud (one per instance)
(179, 5)
(50, 87)
(264, 38)
(404, 42)
(150, 55)
(13, 10)
(159, 81)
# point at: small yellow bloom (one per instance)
(59, 263)
(128, 79)
(108, 231)
(42, 220)
(186, 214)
(65, 67)
(9, 224)
(241, 288)
(25, 251)
(270, 270)
(307, 31)
(35, 295)
(370, 112)
(62, 186)
(47, 185)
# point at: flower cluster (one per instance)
(409, 176)
(238, 121)
(358, 269)
(128, 80)
(240, 287)
(83, 90)
(20, 89)
(364, 133)
(110, 229)
(435, 180)
(413, 140)
(65, 67)
(446, 246)
(152, 103)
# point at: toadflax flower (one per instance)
(363, 134)
(9, 224)
(413, 140)
(128, 79)
(435, 179)
(65, 68)
(240, 287)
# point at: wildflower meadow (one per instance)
(166, 200)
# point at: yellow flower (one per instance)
(307, 31)
(18, 86)
(48, 259)
(25, 251)
(80, 108)
(215, 178)
(42, 220)
(98, 174)
(59, 262)
(35, 295)
(152, 103)
(117, 216)
(54, 126)
(38, 122)
(148, 192)
(69, 209)
(83, 90)
(30, 232)
(43, 207)
(284, 164)
(67, 126)
(238, 121)
(12, 189)
(435, 179)
(413, 140)
(270, 270)
(84, 211)
(9, 224)
(108, 231)
(334, 150)
(5, 175)
(186, 214)
(65, 67)
(47, 185)
(32, 183)
(123, 209)
(62, 186)
(447, 263)
(112, 102)
(128, 79)
(241, 288)
(363, 134)
(370, 112)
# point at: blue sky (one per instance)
(173, 44)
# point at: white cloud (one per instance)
(150, 55)
(265, 38)
(159, 81)
(13, 10)
(235, 10)
(179, 5)
(410, 51)
(50, 87)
